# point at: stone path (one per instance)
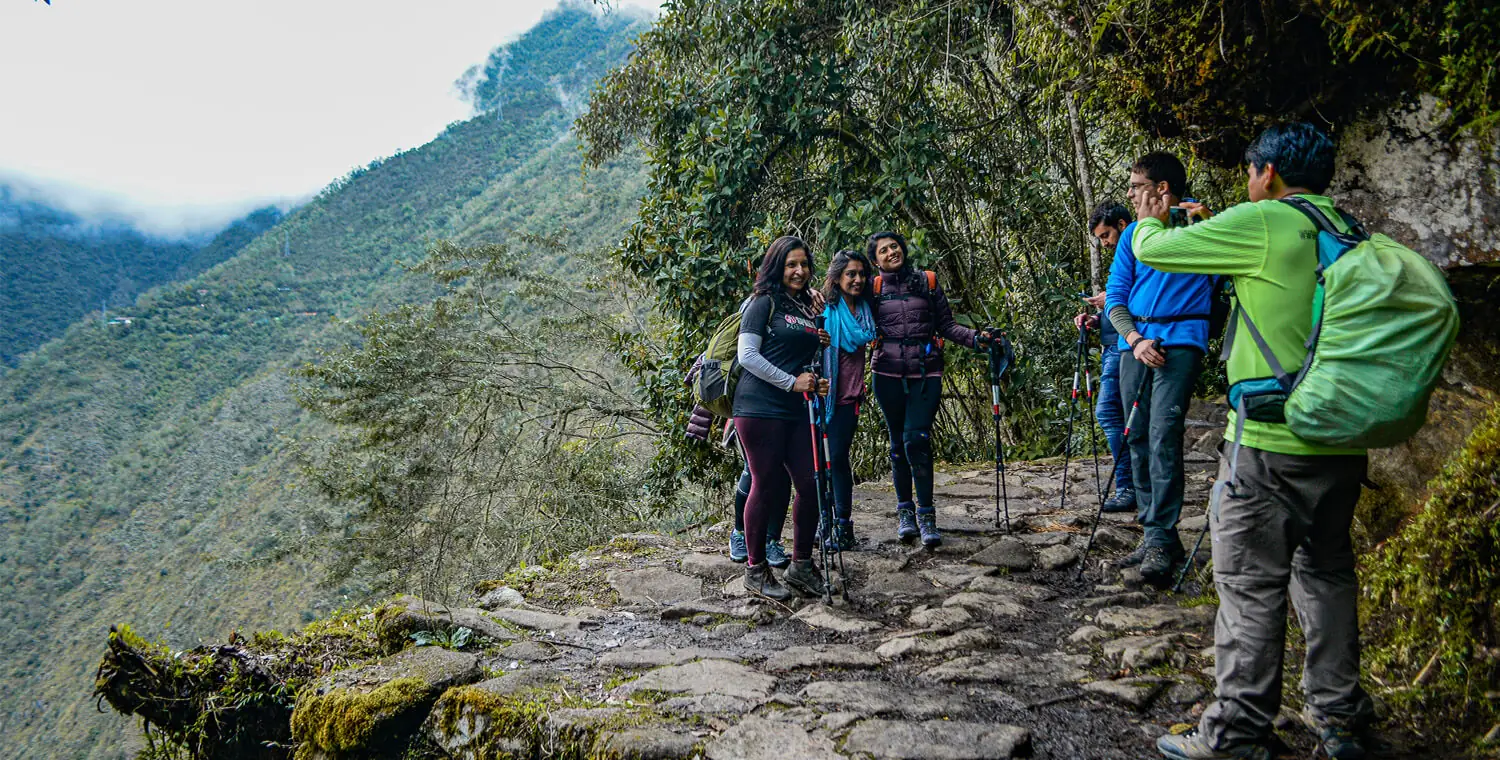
(991, 646)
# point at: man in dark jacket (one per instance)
(1163, 324)
(1107, 224)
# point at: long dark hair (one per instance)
(832, 293)
(768, 282)
(874, 240)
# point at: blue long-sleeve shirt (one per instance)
(1149, 293)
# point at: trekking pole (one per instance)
(1098, 484)
(1001, 357)
(1072, 411)
(1188, 565)
(813, 428)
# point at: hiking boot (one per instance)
(906, 522)
(1190, 746)
(1122, 501)
(843, 535)
(1134, 557)
(1340, 743)
(927, 523)
(737, 549)
(760, 580)
(776, 555)
(804, 578)
(1158, 561)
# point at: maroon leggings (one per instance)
(780, 456)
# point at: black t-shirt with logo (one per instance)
(789, 341)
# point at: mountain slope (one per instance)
(58, 267)
(144, 472)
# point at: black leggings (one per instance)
(780, 456)
(840, 440)
(909, 406)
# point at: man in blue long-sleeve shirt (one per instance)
(1162, 320)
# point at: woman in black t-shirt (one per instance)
(778, 339)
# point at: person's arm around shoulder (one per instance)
(1234, 243)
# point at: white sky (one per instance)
(220, 103)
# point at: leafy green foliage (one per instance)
(457, 638)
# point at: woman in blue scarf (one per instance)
(851, 327)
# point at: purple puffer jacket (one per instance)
(909, 319)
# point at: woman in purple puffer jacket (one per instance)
(911, 315)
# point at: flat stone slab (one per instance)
(1127, 599)
(655, 658)
(537, 620)
(991, 584)
(1155, 616)
(1009, 552)
(900, 585)
(703, 677)
(986, 604)
(1047, 670)
(938, 740)
(1087, 635)
(953, 576)
(407, 615)
(645, 744)
(1134, 693)
(756, 738)
(1140, 652)
(1056, 557)
(823, 616)
(821, 656)
(655, 585)
(714, 567)
(941, 618)
(868, 698)
(917, 645)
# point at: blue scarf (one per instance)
(848, 331)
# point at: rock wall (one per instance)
(1406, 175)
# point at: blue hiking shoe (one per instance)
(737, 548)
(776, 555)
(1190, 745)
(927, 524)
(906, 522)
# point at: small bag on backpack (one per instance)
(719, 370)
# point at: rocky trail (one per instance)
(990, 646)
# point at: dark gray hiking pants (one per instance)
(1284, 526)
(1156, 439)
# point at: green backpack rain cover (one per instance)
(1383, 323)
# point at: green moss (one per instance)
(1432, 599)
(344, 720)
(501, 720)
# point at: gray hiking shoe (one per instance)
(906, 522)
(1122, 501)
(776, 555)
(1192, 746)
(804, 578)
(927, 523)
(737, 549)
(1133, 558)
(760, 580)
(1158, 562)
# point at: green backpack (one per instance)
(1383, 322)
(719, 372)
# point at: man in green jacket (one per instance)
(1282, 527)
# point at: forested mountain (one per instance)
(146, 473)
(58, 266)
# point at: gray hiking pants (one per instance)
(1155, 439)
(1284, 526)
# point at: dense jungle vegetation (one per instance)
(58, 267)
(152, 473)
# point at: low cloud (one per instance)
(98, 210)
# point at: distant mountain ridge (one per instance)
(58, 266)
(147, 474)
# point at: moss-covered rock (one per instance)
(1432, 598)
(405, 615)
(373, 711)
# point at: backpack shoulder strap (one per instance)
(878, 280)
(931, 279)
